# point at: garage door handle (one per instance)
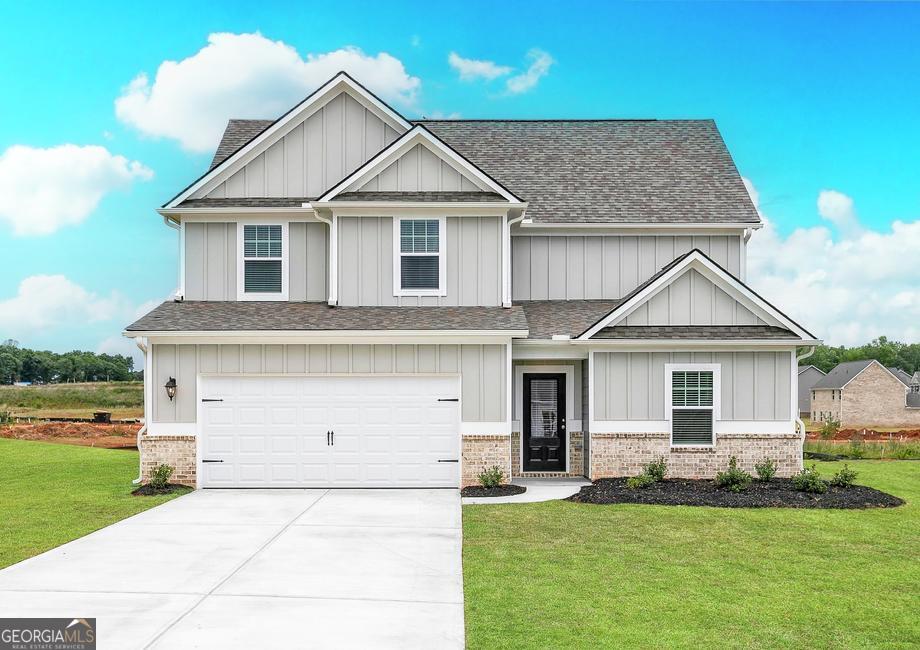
(448, 460)
(206, 399)
(206, 460)
(449, 399)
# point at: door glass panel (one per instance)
(544, 408)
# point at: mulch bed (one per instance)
(149, 491)
(777, 493)
(500, 491)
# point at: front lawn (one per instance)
(51, 494)
(567, 575)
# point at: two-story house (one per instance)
(366, 300)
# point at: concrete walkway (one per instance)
(261, 569)
(538, 489)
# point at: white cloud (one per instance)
(539, 68)
(246, 76)
(46, 301)
(837, 208)
(42, 190)
(846, 284)
(472, 69)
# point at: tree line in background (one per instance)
(44, 367)
(905, 356)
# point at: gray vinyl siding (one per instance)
(483, 370)
(210, 261)
(308, 254)
(607, 267)
(630, 385)
(313, 156)
(419, 170)
(473, 262)
(692, 299)
(806, 379)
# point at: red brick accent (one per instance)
(482, 452)
(179, 452)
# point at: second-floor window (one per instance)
(263, 262)
(419, 268)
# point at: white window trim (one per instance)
(716, 370)
(241, 293)
(398, 291)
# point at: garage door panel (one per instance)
(389, 431)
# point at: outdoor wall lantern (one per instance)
(171, 388)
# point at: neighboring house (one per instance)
(369, 301)
(866, 394)
(808, 377)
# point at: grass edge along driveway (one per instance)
(566, 575)
(51, 494)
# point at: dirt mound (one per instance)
(869, 434)
(110, 436)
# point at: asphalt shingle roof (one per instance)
(546, 318)
(318, 316)
(904, 376)
(841, 374)
(697, 332)
(591, 171)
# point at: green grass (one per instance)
(125, 399)
(51, 494)
(566, 575)
(891, 449)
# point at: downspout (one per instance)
(798, 420)
(506, 261)
(179, 294)
(142, 345)
(332, 297)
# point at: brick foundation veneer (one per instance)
(624, 454)
(482, 452)
(576, 457)
(176, 451)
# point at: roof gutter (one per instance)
(142, 346)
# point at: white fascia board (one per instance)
(417, 135)
(674, 344)
(528, 224)
(312, 103)
(332, 336)
(405, 208)
(200, 214)
(725, 281)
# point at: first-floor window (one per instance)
(262, 259)
(419, 251)
(691, 407)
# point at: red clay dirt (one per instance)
(87, 434)
(869, 434)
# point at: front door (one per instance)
(544, 422)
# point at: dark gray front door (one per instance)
(544, 422)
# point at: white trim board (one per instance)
(569, 372)
(408, 140)
(699, 262)
(341, 82)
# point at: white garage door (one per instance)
(330, 431)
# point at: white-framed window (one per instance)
(262, 272)
(419, 266)
(693, 394)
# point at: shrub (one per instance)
(6, 417)
(766, 469)
(844, 478)
(638, 482)
(808, 480)
(657, 469)
(735, 479)
(160, 478)
(830, 428)
(491, 477)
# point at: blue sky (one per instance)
(809, 97)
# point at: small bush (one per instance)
(829, 428)
(657, 469)
(844, 478)
(492, 477)
(735, 479)
(638, 482)
(766, 469)
(808, 480)
(160, 478)
(6, 417)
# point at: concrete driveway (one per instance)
(261, 568)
